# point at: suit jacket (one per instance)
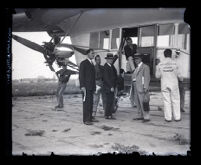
(142, 78)
(87, 75)
(109, 77)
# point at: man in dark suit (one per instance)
(109, 84)
(88, 86)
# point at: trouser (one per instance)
(60, 90)
(88, 106)
(182, 95)
(171, 100)
(132, 98)
(109, 103)
(130, 64)
(96, 99)
(139, 97)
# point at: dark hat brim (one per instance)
(109, 57)
(138, 56)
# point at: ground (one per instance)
(38, 129)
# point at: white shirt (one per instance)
(109, 64)
(139, 65)
(136, 70)
(90, 61)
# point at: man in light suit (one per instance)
(141, 80)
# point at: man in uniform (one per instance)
(109, 85)
(88, 86)
(168, 71)
(141, 80)
(99, 69)
(63, 76)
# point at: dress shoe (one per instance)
(107, 117)
(146, 120)
(178, 120)
(168, 120)
(139, 118)
(59, 106)
(88, 123)
(112, 118)
(94, 120)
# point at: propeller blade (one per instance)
(29, 44)
(71, 63)
(72, 71)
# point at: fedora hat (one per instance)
(138, 55)
(109, 56)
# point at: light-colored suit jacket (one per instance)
(142, 78)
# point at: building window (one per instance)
(147, 36)
(115, 38)
(165, 35)
(100, 40)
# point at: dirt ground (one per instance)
(38, 129)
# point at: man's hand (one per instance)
(83, 89)
(157, 61)
(112, 89)
(145, 90)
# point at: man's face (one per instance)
(129, 42)
(98, 60)
(91, 55)
(138, 60)
(109, 61)
(64, 67)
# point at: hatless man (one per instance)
(88, 86)
(130, 49)
(63, 77)
(99, 69)
(141, 80)
(168, 72)
(109, 85)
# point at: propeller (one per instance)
(29, 44)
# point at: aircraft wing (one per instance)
(42, 19)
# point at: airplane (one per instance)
(105, 30)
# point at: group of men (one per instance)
(171, 83)
(97, 80)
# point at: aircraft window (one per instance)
(184, 36)
(104, 39)
(165, 35)
(115, 38)
(134, 40)
(94, 39)
(147, 36)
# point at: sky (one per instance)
(28, 63)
